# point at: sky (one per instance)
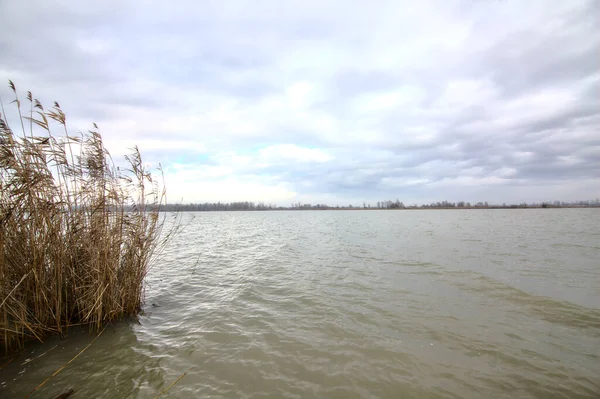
(319, 101)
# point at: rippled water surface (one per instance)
(351, 304)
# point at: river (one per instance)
(351, 304)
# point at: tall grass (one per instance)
(77, 233)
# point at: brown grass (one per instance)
(77, 233)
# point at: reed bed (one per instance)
(77, 232)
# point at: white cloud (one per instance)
(293, 153)
(196, 185)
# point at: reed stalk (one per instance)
(77, 232)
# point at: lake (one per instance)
(351, 304)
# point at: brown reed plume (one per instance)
(77, 233)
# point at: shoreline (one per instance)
(420, 208)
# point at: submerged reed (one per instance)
(77, 233)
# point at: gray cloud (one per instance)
(327, 101)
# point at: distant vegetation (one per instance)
(77, 232)
(251, 206)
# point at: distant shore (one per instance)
(194, 208)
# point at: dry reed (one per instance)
(77, 233)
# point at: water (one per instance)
(352, 304)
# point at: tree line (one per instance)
(387, 204)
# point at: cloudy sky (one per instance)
(323, 101)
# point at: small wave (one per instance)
(548, 309)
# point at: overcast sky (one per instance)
(322, 101)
